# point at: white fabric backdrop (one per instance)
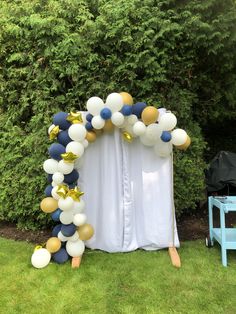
(128, 195)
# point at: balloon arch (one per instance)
(73, 134)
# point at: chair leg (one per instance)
(224, 256)
(174, 256)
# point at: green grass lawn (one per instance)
(137, 282)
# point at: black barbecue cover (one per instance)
(222, 171)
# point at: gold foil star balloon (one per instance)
(127, 136)
(62, 190)
(53, 133)
(75, 194)
(75, 117)
(69, 157)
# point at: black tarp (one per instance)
(222, 171)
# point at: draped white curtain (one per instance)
(128, 195)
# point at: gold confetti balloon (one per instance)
(150, 115)
(127, 98)
(185, 145)
(109, 126)
(91, 136)
(85, 232)
(49, 204)
(53, 245)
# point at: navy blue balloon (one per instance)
(56, 230)
(88, 126)
(55, 151)
(49, 178)
(60, 256)
(71, 177)
(56, 215)
(166, 136)
(68, 230)
(105, 113)
(48, 190)
(72, 185)
(63, 138)
(126, 110)
(138, 108)
(60, 119)
(89, 117)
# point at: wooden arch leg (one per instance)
(174, 256)
(75, 262)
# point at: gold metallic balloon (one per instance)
(75, 194)
(49, 204)
(150, 115)
(53, 245)
(85, 232)
(53, 133)
(91, 136)
(127, 98)
(109, 126)
(98, 132)
(75, 117)
(127, 136)
(185, 145)
(62, 190)
(69, 157)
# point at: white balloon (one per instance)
(54, 193)
(76, 248)
(54, 184)
(50, 166)
(147, 141)
(132, 119)
(65, 167)
(74, 237)
(153, 131)
(97, 122)
(79, 219)
(58, 177)
(66, 204)
(79, 207)
(179, 137)
(66, 217)
(168, 121)
(79, 163)
(85, 143)
(50, 128)
(95, 105)
(40, 258)
(117, 118)
(163, 149)
(61, 237)
(115, 102)
(129, 128)
(76, 148)
(77, 132)
(139, 128)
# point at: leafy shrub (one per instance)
(56, 54)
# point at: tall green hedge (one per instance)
(55, 54)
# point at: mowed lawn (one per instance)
(137, 282)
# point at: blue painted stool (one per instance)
(225, 236)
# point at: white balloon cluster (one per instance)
(65, 203)
(149, 134)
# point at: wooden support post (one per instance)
(75, 263)
(174, 256)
